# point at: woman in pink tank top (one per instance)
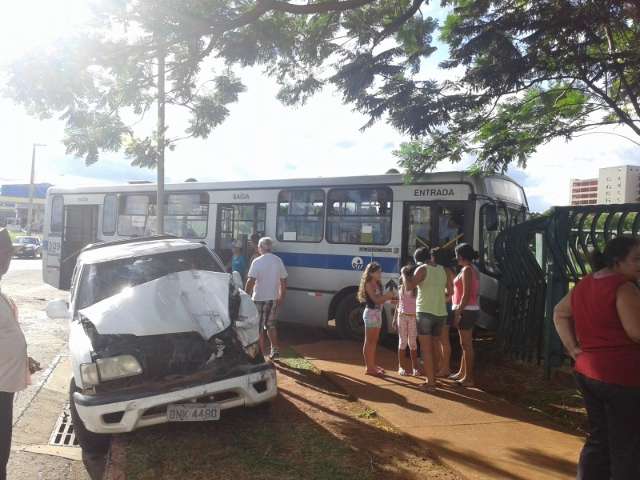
(466, 288)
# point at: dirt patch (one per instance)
(311, 431)
(524, 384)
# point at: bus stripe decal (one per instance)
(336, 262)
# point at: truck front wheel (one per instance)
(89, 442)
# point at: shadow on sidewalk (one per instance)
(347, 353)
(416, 447)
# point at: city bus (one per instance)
(326, 230)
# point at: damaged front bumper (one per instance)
(118, 412)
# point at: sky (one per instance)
(262, 139)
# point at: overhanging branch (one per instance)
(398, 22)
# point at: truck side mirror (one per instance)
(58, 310)
(491, 217)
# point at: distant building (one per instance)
(584, 192)
(619, 184)
(14, 205)
(613, 185)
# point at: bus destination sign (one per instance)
(434, 192)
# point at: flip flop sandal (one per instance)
(461, 384)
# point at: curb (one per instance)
(116, 459)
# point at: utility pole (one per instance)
(32, 187)
(160, 134)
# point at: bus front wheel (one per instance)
(349, 318)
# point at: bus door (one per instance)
(236, 224)
(418, 228)
(80, 229)
(436, 224)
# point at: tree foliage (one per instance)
(532, 72)
(527, 72)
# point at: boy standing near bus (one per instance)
(267, 285)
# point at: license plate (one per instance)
(193, 412)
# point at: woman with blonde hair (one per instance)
(370, 293)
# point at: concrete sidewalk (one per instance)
(478, 435)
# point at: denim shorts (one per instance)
(429, 324)
(372, 318)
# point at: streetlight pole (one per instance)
(32, 186)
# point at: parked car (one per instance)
(159, 333)
(27, 247)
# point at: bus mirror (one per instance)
(491, 217)
(58, 310)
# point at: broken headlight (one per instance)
(121, 366)
(252, 350)
(110, 368)
(89, 373)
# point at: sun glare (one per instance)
(31, 24)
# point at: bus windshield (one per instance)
(507, 217)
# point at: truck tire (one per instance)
(349, 318)
(89, 442)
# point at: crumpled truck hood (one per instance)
(189, 301)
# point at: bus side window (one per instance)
(187, 214)
(359, 216)
(57, 215)
(133, 213)
(109, 214)
(300, 216)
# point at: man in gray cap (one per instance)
(15, 365)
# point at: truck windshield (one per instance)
(103, 280)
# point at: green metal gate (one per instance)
(539, 261)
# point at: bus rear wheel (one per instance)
(349, 318)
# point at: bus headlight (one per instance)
(111, 368)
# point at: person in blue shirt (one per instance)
(239, 261)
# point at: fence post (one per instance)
(557, 231)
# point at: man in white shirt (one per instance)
(267, 285)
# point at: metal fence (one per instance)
(539, 261)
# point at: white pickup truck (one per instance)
(158, 333)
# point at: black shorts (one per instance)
(468, 319)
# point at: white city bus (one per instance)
(325, 229)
